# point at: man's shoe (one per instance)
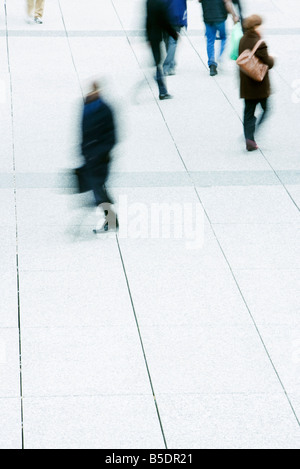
(251, 145)
(107, 229)
(38, 20)
(170, 72)
(213, 70)
(165, 96)
(29, 19)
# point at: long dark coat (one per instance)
(158, 21)
(251, 89)
(98, 139)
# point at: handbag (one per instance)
(252, 65)
(82, 181)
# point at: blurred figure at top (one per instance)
(98, 140)
(215, 13)
(157, 23)
(240, 9)
(254, 92)
(178, 19)
(35, 11)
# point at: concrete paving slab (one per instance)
(103, 422)
(11, 431)
(283, 344)
(7, 208)
(83, 362)
(248, 205)
(266, 293)
(9, 299)
(51, 248)
(9, 363)
(272, 246)
(8, 248)
(211, 359)
(231, 421)
(61, 301)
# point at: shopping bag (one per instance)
(236, 36)
(82, 182)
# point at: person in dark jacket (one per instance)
(240, 10)
(157, 23)
(98, 140)
(254, 92)
(215, 13)
(178, 19)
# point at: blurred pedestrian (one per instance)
(157, 23)
(178, 19)
(254, 92)
(215, 13)
(98, 140)
(240, 10)
(35, 10)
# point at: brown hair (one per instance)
(252, 21)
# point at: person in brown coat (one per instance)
(254, 92)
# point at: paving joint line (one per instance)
(125, 272)
(16, 231)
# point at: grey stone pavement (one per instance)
(139, 340)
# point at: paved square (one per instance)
(178, 332)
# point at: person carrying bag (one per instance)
(255, 63)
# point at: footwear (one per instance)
(105, 228)
(110, 225)
(29, 19)
(169, 72)
(38, 20)
(165, 96)
(251, 145)
(213, 70)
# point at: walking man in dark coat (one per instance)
(158, 22)
(98, 140)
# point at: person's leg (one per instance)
(171, 45)
(103, 199)
(249, 122)
(162, 87)
(265, 108)
(211, 32)
(221, 27)
(30, 8)
(39, 8)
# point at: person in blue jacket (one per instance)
(178, 18)
(98, 140)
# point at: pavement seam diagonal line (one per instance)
(16, 232)
(249, 311)
(142, 344)
(130, 294)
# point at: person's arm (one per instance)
(230, 8)
(263, 55)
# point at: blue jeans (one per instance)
(171, 45)
(211, 35)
